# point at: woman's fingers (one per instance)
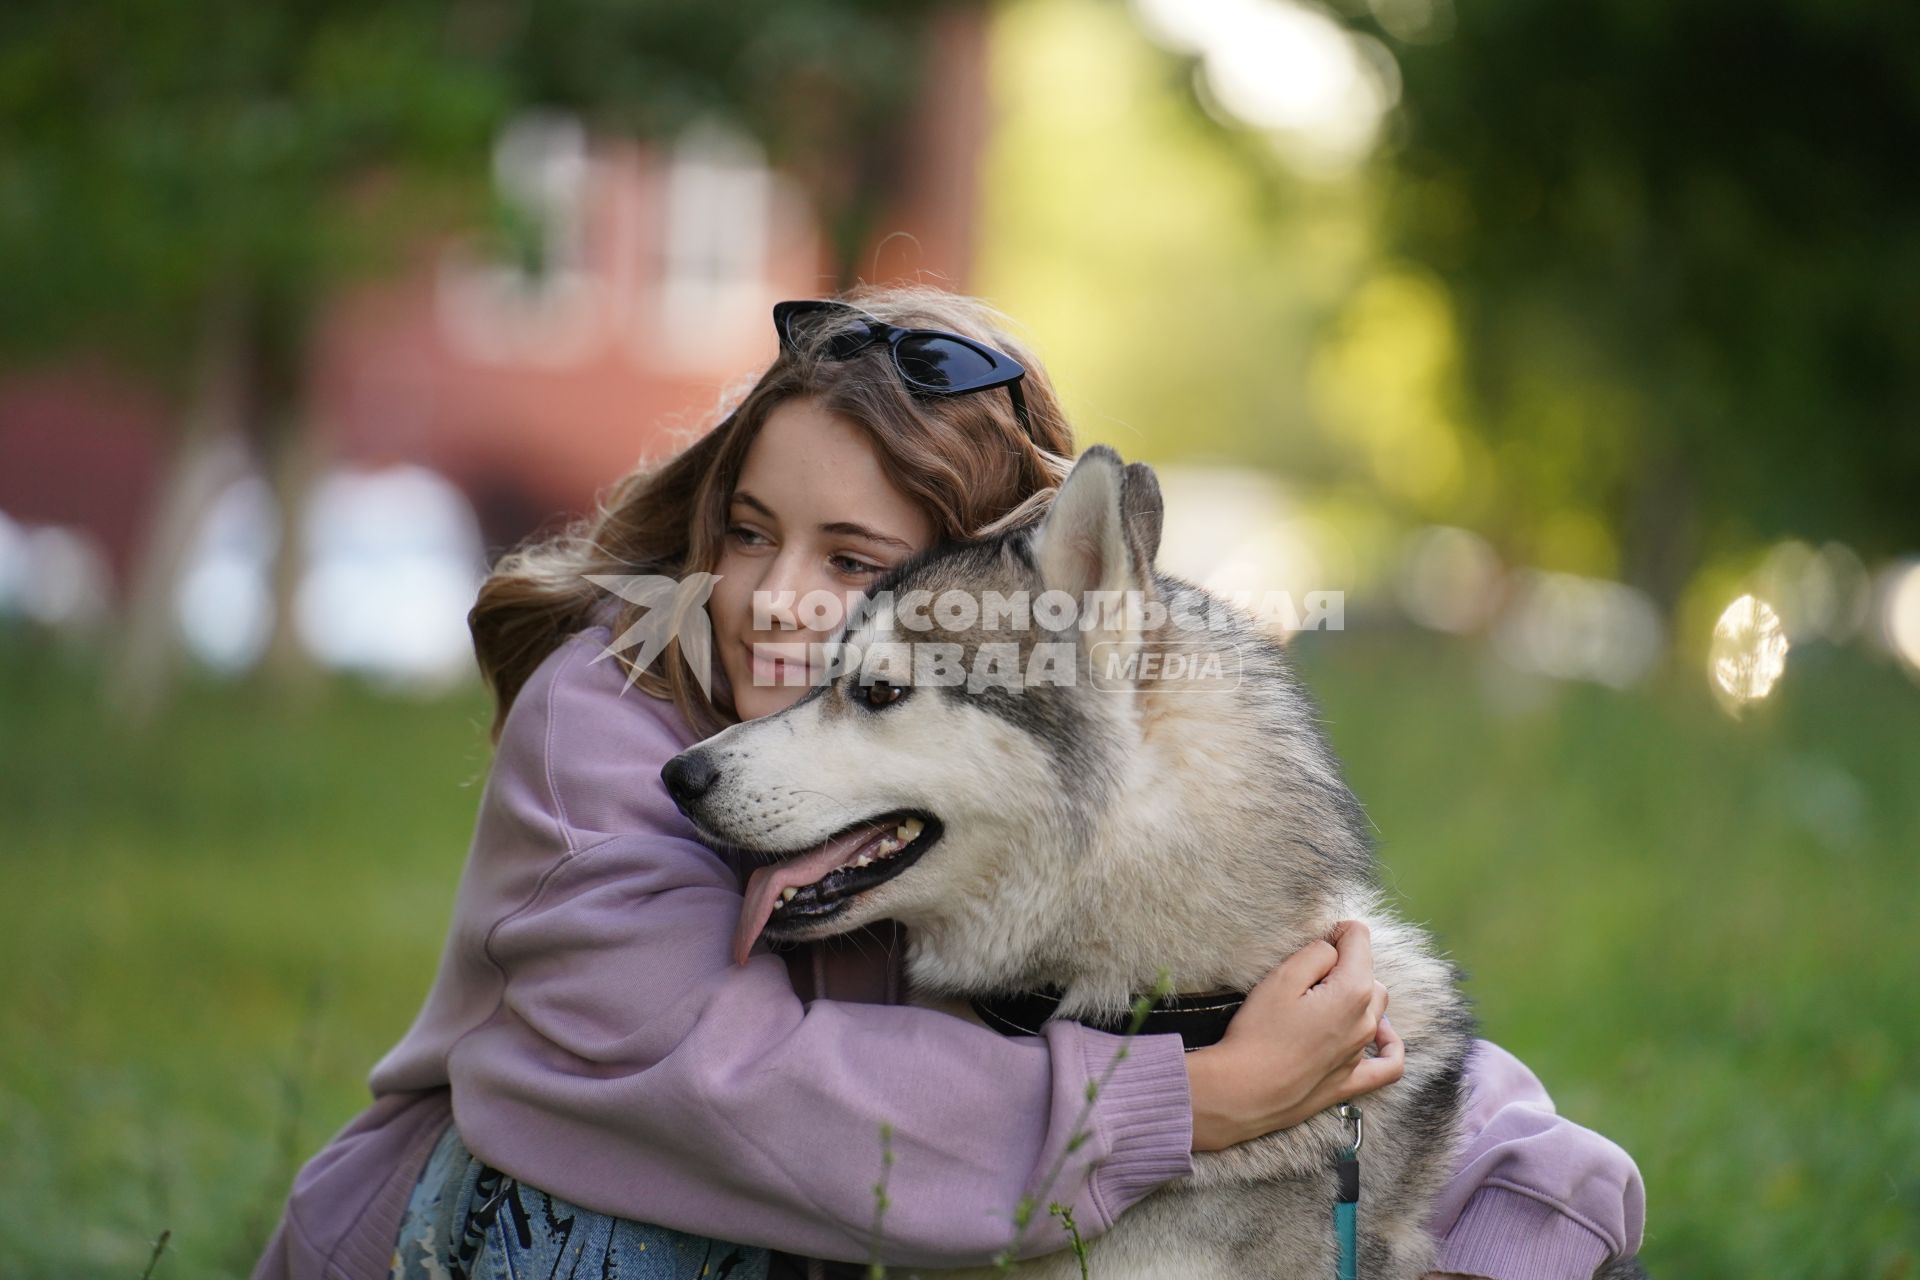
(1354, 969)
(1308, 966)
(1369, 1021)
(1383, 1068)
(1298, 1043)
(1343, 964)
(1363, 1074)
(1388, 1038)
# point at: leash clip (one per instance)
(1347, 1111)
(1346, 1202)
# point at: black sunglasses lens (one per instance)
(943, 364)
(798, 320)
(803, 321)
(843, 345)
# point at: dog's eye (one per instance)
(881, 694)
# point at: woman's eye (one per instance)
(745, 536)
(882, 694)
(848, 565)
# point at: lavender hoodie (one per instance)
(592, 1036)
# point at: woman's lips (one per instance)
(771, 663)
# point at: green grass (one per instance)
(1700, 932)
(213, 929)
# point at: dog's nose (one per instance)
(689, 776)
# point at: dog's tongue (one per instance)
(765, 884)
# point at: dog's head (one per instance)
(955, 730)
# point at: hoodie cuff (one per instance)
(1504, 1234)
(1145, 1114)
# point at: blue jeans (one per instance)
(468, 1221)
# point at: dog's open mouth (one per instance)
(810, 885)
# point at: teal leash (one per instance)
(1346, 1206)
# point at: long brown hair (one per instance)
(964, 458)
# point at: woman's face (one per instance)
(811, 512)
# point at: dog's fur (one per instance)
(1091, 834)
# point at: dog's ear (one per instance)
(1142, 510)
(1081, 545)
(1098, 541)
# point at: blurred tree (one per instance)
(1682, 243)
(1643, 289)
(1171, 272)
(182, 180)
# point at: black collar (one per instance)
(1199, 1020)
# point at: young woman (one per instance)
(595, 1084)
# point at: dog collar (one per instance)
(1199, 1020)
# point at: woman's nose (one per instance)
(781, 592)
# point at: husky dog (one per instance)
(1077, 809)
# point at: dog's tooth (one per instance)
(887, 846)
(910, 830)
(863, 860)
(789, 893)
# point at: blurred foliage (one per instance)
(154, 157)
(1682, 243)
(1697, 931)
(1171, 286)
(1626, 287)
(1195, 302)
(159, 157)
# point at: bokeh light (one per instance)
(1286, 67)
(394, 563)
(1449, 579)
(224, 604)
(1820, 591)
(1575, 628)
(1749, 650)
(1899, 612)
(54, 576)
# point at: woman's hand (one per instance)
(1297, 1046)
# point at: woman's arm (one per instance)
(1533, 1195)
(626, 1064)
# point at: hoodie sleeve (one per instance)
(630, 1067)
(1533, 1195)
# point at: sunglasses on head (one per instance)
(930, 361)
